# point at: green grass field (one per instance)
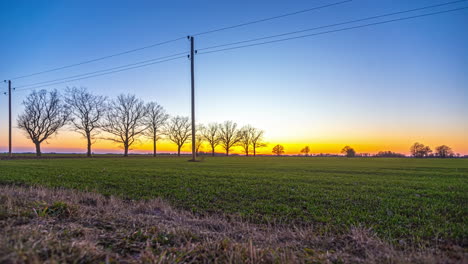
(415, 201)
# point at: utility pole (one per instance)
(192, 68)
(9, 119)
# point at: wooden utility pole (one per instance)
(192, 67)
(9, 119)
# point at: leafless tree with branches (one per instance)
(278, 150)
(419, 150)
(87, 111)
(257, 140)
(199, 143)
(305, 151)
(444, 151)
(124, 120)
(43, 116)
(228, 135)
(178, 130)
(154, 120)
(211, 134)
(348, 151)
(245, 138)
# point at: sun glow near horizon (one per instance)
(72, 142)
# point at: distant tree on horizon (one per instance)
(278, 150)
(419, 150)
(211, 134)
(155, 119)
(228, 135)
(87, 112)
(178, 130)
(348, 151)
(389, 154)
(305, 151)
(444, 151)
(124, 120)
(43, 116)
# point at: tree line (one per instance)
(417, 150)
(124, 120)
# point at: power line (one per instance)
(105, 70)
(333, 25)
(271, 18)
(177, 39)
(256, 39)
(333, 31)
(99, 59)
(96, 75)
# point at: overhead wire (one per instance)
(177, 39)
(158, 60)
(98, 59)
(104, 70)
(271, 18)
(106, 73)
(333, 25)
(332, 31)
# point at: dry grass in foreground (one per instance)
(40, 225)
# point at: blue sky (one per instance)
(380, 87)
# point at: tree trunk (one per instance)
(254, 151)
(38, 149)
(178, 151)
(154, 147)
(88, 153)
(227, 152)
(212, 151)
(125, 150)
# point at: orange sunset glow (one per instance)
(71, 142)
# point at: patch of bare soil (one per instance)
(39, 225)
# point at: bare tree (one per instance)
(305, 151)
(178, 130)
(444, 151)
(245, 138)
(418, 150)
(211, 135)
(228, 135)
(154, 120)
(348, 151)
(43, 116)
(278, 150)
(389, 154)
(87, 110)
(257, 140)
(124, 120)
(199, 142)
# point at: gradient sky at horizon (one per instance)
(375, 88)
